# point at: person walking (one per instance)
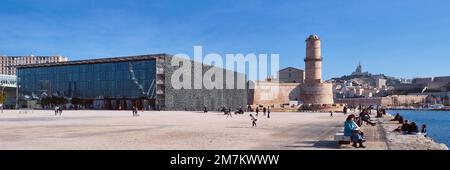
(60, 110)
(257, 111)
(229, 113)
(253, 119)
(331, 113)
(264, 110)
(268, 112)
(134, 111)
(56, 110)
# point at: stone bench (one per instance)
(341, 139)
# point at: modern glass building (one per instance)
(115, 84)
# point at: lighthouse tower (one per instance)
(314, 91)
(313, 60)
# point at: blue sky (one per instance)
(401, 38)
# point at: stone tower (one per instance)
(313, 60)
(314, 91)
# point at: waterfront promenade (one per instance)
(118, 130)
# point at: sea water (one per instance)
(438, 122)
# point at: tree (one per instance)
(61, 100)
(76, 101)
(45, 101)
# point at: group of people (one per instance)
(350, 108)
(240, 110)
(352, 129)
(408, 128)
(264, 110)
(227, 111)
(381, 112)
(352, 125)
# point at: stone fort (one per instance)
(311, 91)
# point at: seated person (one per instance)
(403, 128)
(396, 118)
(401, 120)
(413, 129)
(366, 118)
(239, 111)
(424, 130)
(224, 110)
(352, 129)
(379, 113)
(369, 109)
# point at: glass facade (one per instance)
(117, 80)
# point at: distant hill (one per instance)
(367, 79)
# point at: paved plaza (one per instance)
(118, 130)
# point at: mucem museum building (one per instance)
(121, 83)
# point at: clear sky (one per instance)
(401, 38)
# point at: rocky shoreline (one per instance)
(399, 141)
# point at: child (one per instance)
(253, 120)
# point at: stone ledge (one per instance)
(399, 141)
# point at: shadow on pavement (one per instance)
(315, 144)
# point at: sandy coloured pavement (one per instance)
(118, 130)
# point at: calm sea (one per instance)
(438, 122)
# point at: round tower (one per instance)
(313, 60)
(314, 91)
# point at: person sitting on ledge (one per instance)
(396, 118)
(403, 128)
(424, 130)
(366, 118)
(352, 129)
(401, 120)
(413, 129)
(379, 113)
(369, 109)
